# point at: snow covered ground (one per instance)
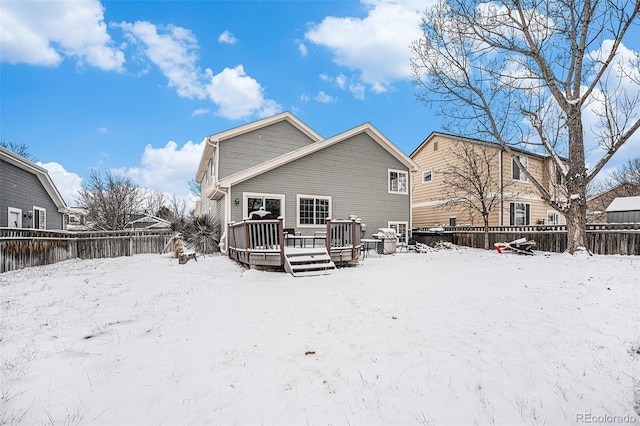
(452, 337)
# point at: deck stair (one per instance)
(308, 262)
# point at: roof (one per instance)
(214, 139)
(624, 204)
(366, 128)
(40, 172)
(478, 141)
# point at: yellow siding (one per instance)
(428, 196)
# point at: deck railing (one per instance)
(255, 236)
(262, 242)
(343, 235)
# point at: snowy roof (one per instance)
(624, 204)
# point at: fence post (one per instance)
(353, 239)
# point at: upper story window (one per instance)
(398, 181)
(516, 173)
(426, 176)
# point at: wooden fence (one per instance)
(619, 238)
(23, 248)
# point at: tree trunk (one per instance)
(576, 213)
(486, 232)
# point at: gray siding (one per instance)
(353, 172)
(253, 148)
(623, 217)
(22, 190)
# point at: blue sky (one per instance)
(135, 86)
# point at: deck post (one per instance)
(281, 238)
(246, 239)
(353, 238)
(328, 237)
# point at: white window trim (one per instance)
(14, 210)
(43, 211)
(556, 214)
(247, 195)
(322, 197)
(430, 180)
(525, 213)
(406, 173)
(525, 162)
(400, 222)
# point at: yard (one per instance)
(451, 337)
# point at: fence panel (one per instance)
(23, 248)
(601, 238)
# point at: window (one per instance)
(426, 176)
(398, 181)
(14, 218)
(435, 146)
(39, 218)
(272, 203)
(313, 210)
(553, 217)
(519, 214)
(515, 170)
(401, 230)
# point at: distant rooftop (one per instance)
(624, 204)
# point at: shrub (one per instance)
(202, 234)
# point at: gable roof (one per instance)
(40, 172)
(477, 141)
(214, 139)
(624, 204)
(366, 128)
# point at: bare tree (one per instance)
(629, 173)
(194, 187)
(531, 72)
(109, 200)
(472, 182)
(21, 149)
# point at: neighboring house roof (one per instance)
(214, 139)
(40, 172)
(367, 128)
(478, 141)
(624, 204)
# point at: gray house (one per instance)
(282, 165)
(624, 210)
(28, 197)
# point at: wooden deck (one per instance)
(262, 243)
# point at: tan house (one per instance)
(445, 159)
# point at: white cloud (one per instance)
(304, 98)
(173, 49)
(102, 130)
(239, 95)
(201, 111)
(377, 46)
(227, 37)
(302, 48)
(324, 98)
(166, 169)
(45, 32)
(67, 183)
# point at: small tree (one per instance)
(472, 182)
(109, 200)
